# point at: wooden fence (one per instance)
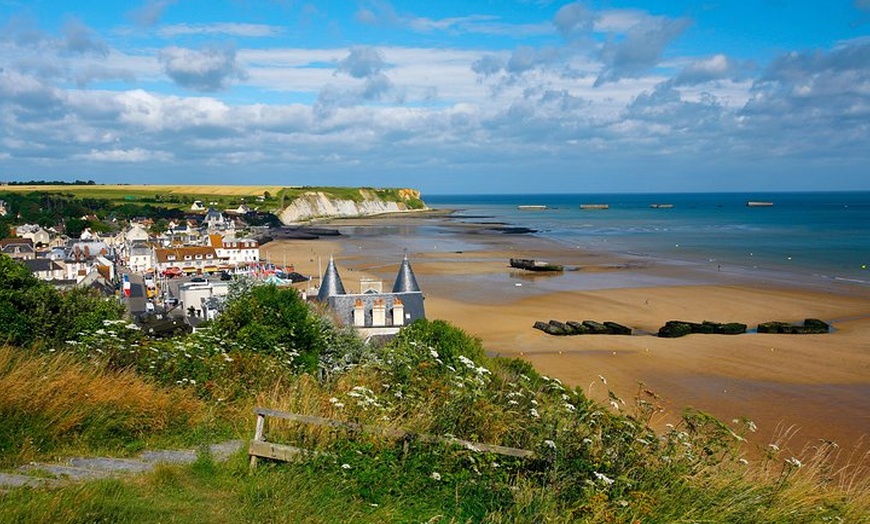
(259, 448)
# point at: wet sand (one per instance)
(816, 384)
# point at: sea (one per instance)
(820, 236)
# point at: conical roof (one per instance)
(406, 282)
(331, 283)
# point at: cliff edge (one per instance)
(307, 205)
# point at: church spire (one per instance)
(406, 282)
(331, 283)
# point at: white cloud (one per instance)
(228, 29)
(209, 69)
(134, 155)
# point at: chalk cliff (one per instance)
(363, 202)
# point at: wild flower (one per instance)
(569, 406)
(435, 475)
(534, 413)
(433, 353)
(604, 479)
(794, 462)
(345, 466)
(550, 444)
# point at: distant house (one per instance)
(34, 232)
(235, 252)
(45, 269)
(139, 257)
(189, 260)
(18, 248)
(214, 220)
(197, 206)
(373, 312)
(4, 208)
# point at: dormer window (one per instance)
(170, 257)
(186, 257)
(199, 257)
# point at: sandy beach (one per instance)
(809, 386)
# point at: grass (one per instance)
(56, 404)
(182, 196)
(592, 463)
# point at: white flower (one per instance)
(773, 447)
(607, 481)
(433, 353)
(333, 400)
(615, 404)
(345, 466)
(550, 444)
(752, 427)
(436, 476)
(794, 462)
(534, 413)
(569, 407)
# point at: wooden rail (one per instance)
(259, 448)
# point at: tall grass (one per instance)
(51, 401)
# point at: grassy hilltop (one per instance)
(271, 198)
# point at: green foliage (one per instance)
(271, 320)
(32, 312)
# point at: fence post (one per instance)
(258, 436)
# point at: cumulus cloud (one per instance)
(717, 67)
(209, 69)
(574, 20)
(150, 13)
(640, 50)
(362, 62)
(80, 39)
(525, 58)
(488, 65)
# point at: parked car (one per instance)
(226, 276)
(198, 279)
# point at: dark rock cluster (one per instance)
(811, 326)
(587, 327)
(679, 328)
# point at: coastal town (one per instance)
(173, 278)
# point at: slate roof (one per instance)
(342, 306)
(41, 264)
(406, 282)
(331, 284)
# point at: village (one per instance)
(173, 280)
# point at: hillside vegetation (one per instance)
(592, 463)
(182, 196)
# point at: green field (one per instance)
(182, 196)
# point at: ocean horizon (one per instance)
(807, 235)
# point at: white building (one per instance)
(193, 294)
(235, 252)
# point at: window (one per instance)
(199, 257)
(186, 257)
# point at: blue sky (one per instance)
(523, 96)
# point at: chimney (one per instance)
(379, 313)
(359, 314)
(398, 312)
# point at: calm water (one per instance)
(819, 235)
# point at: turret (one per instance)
(331, 284)
(406, 282)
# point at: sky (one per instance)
(492, 96)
